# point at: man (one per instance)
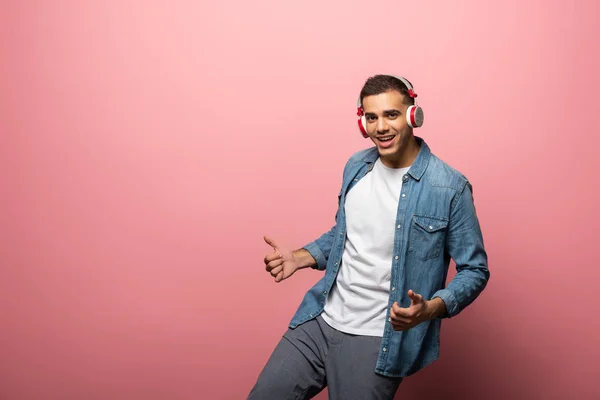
(375, 317)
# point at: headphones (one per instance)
(414, 113)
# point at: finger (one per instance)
(401, 327)
(401, 324)
(396, 308)
(271, 242)
(403, 312)
(399, 320)
(271, 257)
(279, 276)
(395, 317)
(393, 314)
(415, 297)
(273, 264)
(276, 271)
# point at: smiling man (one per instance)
(375, 317)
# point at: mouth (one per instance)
(385, 141)
(387, 138)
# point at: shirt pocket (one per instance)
(427, 236)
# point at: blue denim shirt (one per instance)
(436, 221)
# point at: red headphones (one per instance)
(414, 113)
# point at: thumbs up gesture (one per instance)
(420, 310)
(280, 263)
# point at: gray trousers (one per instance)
(313, 356)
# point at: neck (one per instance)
(404, 158)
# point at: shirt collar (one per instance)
(419, 165)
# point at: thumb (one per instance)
(414, 297)
(271, 242)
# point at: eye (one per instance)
(371, 118)
(393, 115)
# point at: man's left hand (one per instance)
(420, 310)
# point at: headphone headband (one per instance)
(411, 90)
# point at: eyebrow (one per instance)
(385, 112)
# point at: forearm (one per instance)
(437, 308)
(304, 259)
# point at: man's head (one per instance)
(385, 101)
(384, 83)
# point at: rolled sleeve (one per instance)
(449, 300)
(315, 251)
(465, 246)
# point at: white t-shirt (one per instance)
(357, 303)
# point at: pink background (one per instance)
(146, 147)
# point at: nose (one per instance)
(382, 125)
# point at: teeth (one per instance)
(386, 138)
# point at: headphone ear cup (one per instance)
(362, 125)
(414, 116)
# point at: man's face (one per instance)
(386, 125)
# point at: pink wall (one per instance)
(146, 147)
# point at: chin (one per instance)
(388, 150)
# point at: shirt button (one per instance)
(311, 315)
(405, 178)
(403, 194)
(430, 227)
(396, 257)
(324, 292)
(393, 289)
(399, 226)
(384, 349)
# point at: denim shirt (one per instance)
(436, 221)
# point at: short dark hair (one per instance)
(384, 83)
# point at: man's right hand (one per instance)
(281, 263)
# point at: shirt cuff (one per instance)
(317, 254)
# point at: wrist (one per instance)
(437, 308)
(303, 258)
